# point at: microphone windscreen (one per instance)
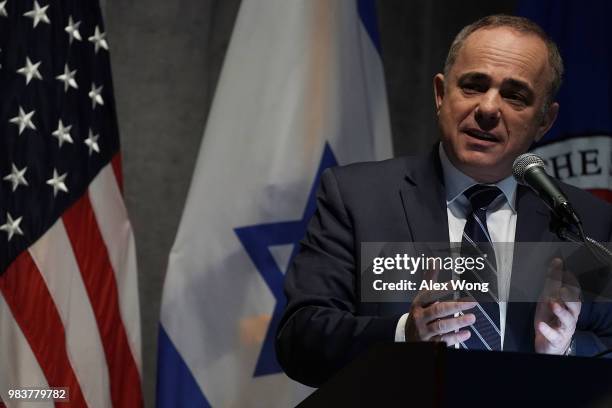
(524, 162)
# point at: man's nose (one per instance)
(488, 110)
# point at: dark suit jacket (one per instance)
(325, 325)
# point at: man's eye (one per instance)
(472, 88)
(516, 98)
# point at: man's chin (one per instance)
(484, 168)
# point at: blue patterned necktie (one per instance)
(476, 242)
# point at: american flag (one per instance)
(69, 314)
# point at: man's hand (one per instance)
(557, 313)
(432, 320)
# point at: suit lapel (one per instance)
(424, 200)
(533, 217)
(424, 205)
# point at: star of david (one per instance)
(257, 240)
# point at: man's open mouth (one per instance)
(479, 134)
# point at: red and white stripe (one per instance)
(69, 310)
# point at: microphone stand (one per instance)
(563, 231)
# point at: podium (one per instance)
(432, 375)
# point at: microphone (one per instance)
(529, 170)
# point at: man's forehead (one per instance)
(501, 49)
(508, 36)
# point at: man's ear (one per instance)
(438, 85)
(548, 119)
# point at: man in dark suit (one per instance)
(495, 98)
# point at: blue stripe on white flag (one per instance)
(176, 386)
(368, 16)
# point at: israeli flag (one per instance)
(301, 90)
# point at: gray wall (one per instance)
(166, 58)
(415, 38)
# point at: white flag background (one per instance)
(302, 88)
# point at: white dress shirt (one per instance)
(501, 223)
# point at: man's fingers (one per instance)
(555, 275)
(570, 301)
(553, 336)
(570, 293)
(441, 326)
(574, 308)
(570, 281)
(431, 275)
(566, 318)
(437, 319)
(556, 268)
(444, 309)
(453, 338)
(428, 297)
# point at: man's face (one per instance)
(490, 106)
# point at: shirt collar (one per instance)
(456, 182)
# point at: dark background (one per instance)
(166, 58)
